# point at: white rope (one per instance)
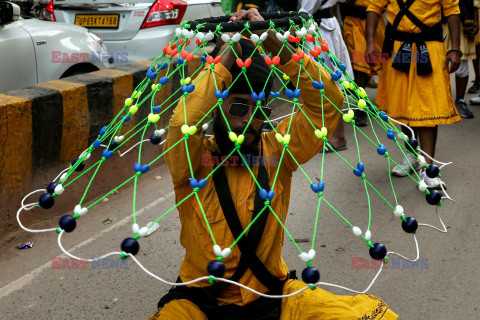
(411, 260)
(441, 221)
(27, 229)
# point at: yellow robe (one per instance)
(418, 101)
(194, 235)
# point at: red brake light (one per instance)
(49, 15)
(165, 12)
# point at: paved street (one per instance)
(443, 286)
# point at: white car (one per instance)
(133, 31)
(34, 51)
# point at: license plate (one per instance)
(97, 20)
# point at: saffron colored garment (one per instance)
(418, 101)
(195, 236)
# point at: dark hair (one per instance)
(257, 72)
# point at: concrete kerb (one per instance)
(44, 127)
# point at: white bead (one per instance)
(226, 252)
(178, 32)
(118, 139)
(304, 31)
(236, 37)
(304, 256)
(311, 30)
(185, 32)
(225, 37)
(59, 189)
(205, 126)
(422, 186)
(368, 235)
(279, 36)
(422, 161)
(157, 133)
(77, 209)
(217, 250)
(161, 131)
(357, 231)
(63, 177)
(286, 34)
(311, 254)
(263, 36)
(190, 34)
(298, 33)
(209, 36)
(135, 228)
(254, 38)
(87, 156)
(398, 211)
(401, 135)
(143, 232)
(200, 35)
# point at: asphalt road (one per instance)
(36, 283)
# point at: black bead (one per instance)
(46, 201)
(378, 251)
(67, 223)
(154, 139)
(216, 268)
(51, 187)
(130, 245)
(410, 226)
(80, 167)
(413, 143)
(310, 275)
(434, 197)
(112, 146)
(432, 171)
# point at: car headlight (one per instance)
(96, 38)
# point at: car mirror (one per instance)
(9, 12)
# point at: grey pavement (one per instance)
(445, 285)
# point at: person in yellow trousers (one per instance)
(263, 268)
(354, 13)
(414, 86)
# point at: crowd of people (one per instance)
(407, 49)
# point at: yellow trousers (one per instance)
(309, 304)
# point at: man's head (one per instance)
(238, 107)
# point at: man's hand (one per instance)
(453, 61)
(372, 55)
(250, 15)
(228, 56)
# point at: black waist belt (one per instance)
(323, 14)
(353, 11)
(403, 57)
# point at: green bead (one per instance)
(219, 258)
(403, 219)
(136, 236)
(211, 280)
(76, 216)
(123, 255)
(58, 230)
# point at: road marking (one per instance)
(29, 277)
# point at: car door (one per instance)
(17, 57)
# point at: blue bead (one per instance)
(322, 59)
(216, 268)
(102, 131)
(162, 66)
(270, 194)
(410, 226)
(130, 245)
(339, 74)
(67, 223)
(434, 197)
(263, 194)
(314, 188)
(432, 171)
(318, 84)
(203, 59)
(342, 66)
(360, 166)
(261, 96)
(155, 140)
(46, 201)
(310, 275)
(137, 166)
(193, 182)
(51, 187)
(331, 60)
(225, 94)
(157, 109)
(125, 119)
(289, 93)
(378, 251)
(151, 74)
(321, 186)
(381, 149)
(383, 116)
(164, 80)
(80, 167)
(144, 168)
(296, 93)
(357, 172)
(97, 143)
(334, 76)
(107, 154)
(180, 61)
(202, 183)
(390, 134)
